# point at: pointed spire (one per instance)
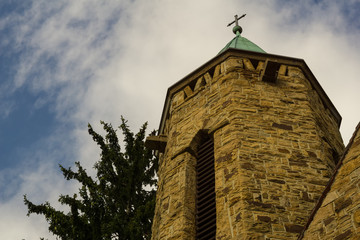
(239, 42)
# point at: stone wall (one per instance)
(274, 143)
(339, 214)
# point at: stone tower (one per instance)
(247, 143)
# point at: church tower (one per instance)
(247, 143)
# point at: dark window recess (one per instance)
(255, 63)
(192, 84)
(270, 72)
(212, 71)
(205, 192)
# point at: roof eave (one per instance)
(232, 52)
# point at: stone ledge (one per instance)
(156, 142)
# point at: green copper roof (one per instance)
(239, 42)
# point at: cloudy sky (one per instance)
(65, 63)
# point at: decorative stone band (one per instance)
(158, 143)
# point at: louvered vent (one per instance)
(205, 192)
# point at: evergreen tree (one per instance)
(118, 203)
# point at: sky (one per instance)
(64, 64)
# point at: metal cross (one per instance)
(236, 21)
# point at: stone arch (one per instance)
(200, 137)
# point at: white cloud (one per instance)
(98, 60)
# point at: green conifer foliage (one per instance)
(119, 202)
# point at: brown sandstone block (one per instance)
(293, 228)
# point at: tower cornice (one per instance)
(231, 52)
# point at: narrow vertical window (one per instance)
(205, 192)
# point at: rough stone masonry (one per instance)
(275, 147)
(338, 216)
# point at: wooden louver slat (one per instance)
(205, 192)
